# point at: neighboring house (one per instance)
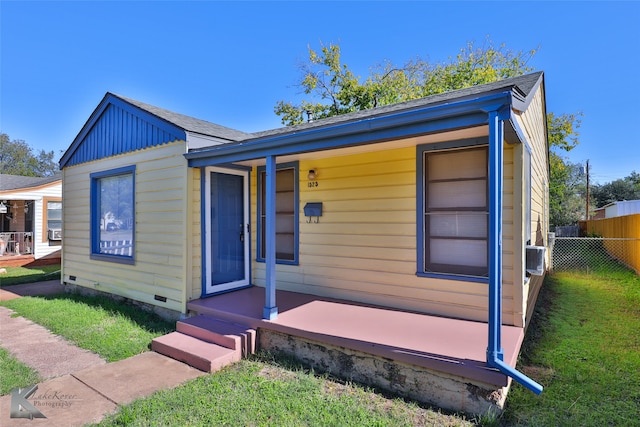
(436, 208)
(30, 219)
(621, 208)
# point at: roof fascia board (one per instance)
(111, 99)
(200, 140)
(32, 188)
(513, 121)
(430, 119)
(337, 141)
(521, 102)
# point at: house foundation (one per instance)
(413, 382)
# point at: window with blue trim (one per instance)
(286, 213)
(455, 212)
(113, 215)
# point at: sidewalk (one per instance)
(79, 386)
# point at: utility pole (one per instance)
(588, 195)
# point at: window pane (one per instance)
(458, 224)
(285, 214)
(471, 253)
(116, 214)
(456, 210)
(458, 194)
(54, 215)
(458, 164)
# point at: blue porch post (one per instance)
(496, 138)
(270, 310)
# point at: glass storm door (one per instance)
(227, 237)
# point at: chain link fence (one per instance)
(594, 254)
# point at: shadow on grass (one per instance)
(29, 278)
(135, 313)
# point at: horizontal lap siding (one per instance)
(511, 242)
(195, 288)
(533, 122)
(364, 246)
(160, 215)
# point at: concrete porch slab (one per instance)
(452, 346)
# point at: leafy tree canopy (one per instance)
(18, 158)
(334, 89)
(627, 188)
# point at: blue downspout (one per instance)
(270, 310)
(495, 353)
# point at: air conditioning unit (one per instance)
(55, 234)
(535, 259)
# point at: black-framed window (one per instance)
(113, 215)
(286, 213)
(455, 212)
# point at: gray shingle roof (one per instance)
(16, 182)
(522, 84)
(189, 124)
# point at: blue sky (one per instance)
(230, 62)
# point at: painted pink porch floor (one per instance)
(451, 346)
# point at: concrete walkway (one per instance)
(79, 387)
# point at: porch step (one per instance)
(206, 356)
(220, 332)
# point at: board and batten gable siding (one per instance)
(117, 127)
(163, 183)
(364, 246)
(533, 122)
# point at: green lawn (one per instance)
(584, 347)
(113, 330)
(14, 373)
(20, 275)
(261, 392)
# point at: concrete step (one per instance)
(206, 356)
(220, 332)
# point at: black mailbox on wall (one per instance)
(313, 209)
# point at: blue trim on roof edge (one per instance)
(136, 129)
(360, 132)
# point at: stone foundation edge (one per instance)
(413, 382)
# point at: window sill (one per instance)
(278, 261)
(113, 258)
(457, 277)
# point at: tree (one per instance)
(567, 186)
(17, 158)
(335, 89)
(627, 188)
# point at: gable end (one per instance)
(117, 127)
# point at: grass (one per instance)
(584, 346)
(14, 373)
(20, 275)
(264, 392)
(113, 330)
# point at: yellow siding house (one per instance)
(436, 206)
